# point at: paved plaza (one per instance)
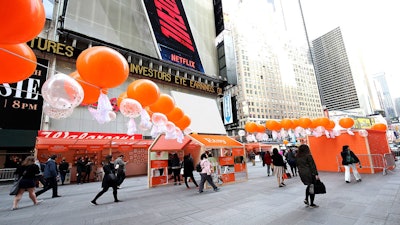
(375, 200)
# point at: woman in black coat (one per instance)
(188, 168)
(176, 168)
(109, 180)
(279, 166)
(308, 172)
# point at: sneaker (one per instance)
(117, 201)
(56, 196)
(281, 185)
(216, 189)
(347, 181)
(306, 202)
(314, 206)
(359, 180)
(14, 208)
(93, 202)
(200, 192)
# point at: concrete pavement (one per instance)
(375, 200)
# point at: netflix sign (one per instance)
(172, 33)
(21, 103)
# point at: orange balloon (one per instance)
(305, 122)
(18, 62)
(20, 20)
(183, 123)
(273, 125)
(260, 128)
(295, 123)
(285, 142)
(144, 91)
(250, 127)
(379, 126)
(121, 97)
(314, 123)
(322, 121)
(164, 104)
(102, 66)
(286, 123)
(331, 125)
(175, 115)
(92, 93)
(346, 122)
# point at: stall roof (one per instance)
(169, 144)
(216, 141)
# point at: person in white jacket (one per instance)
(205, 174)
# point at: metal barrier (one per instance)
(7, 174)
(372, 161)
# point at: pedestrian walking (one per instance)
(349, 160)
(308, 173)
(279, 167)
(268, 161)
(109, 180)
(205, 174)
(120, 166)
(40, 177)
(28, 170)
(188, 168)
(50, 174)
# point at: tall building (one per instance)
(385, 100)
(275, 75)
(342, 83)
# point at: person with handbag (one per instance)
(205, 174)
(109, 180)
(308, 173)
(27, 171)
(349, 160)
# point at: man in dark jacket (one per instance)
(50, 174)
(349, 160)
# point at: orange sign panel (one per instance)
(237, 151)
(228, 160)
(159, 163)
(229, 177)
(240, 167)
(158, 180)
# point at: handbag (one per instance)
(319, 187)
(112, 177)
(15, 187)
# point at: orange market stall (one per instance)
(95, 146)
(228, 157)
(372, 148)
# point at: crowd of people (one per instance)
(298, 159)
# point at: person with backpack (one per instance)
(349, 160)
(205, 174)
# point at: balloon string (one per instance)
(29, 60)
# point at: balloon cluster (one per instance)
(294, 128)
(20, 22)
(158, 111)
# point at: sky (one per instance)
(373, 26)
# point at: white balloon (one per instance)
(62, 92)
(242, 133)
(130, 108)
(56, 113)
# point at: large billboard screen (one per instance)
(173, 34)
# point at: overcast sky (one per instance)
(373, 24)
